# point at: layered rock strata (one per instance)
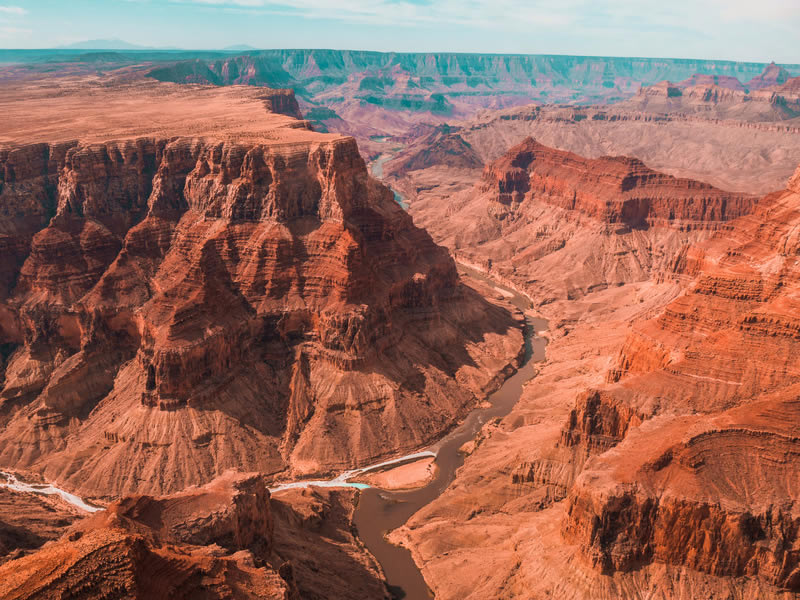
(714, 491)
(228, 539)
(173, 307)
(658, 461)
(560, 225)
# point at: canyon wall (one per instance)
(559, 225)
(173, 307)
(227, 539)
(709, 481)
(654, 452)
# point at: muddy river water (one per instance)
(380, 511)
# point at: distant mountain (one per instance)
(240, 47)
(112, 44)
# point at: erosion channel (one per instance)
(381, 511)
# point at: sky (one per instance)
(748, 30)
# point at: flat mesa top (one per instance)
(93, 112)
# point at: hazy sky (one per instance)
(757, 30)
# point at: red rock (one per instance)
(713, 488)
(771, 76)
(204, 303)
(559, 225)
(220, 541)
(611, 189)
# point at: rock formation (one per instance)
(740, 147)
(177, 306)
(225, 540)
(27, 521)
(772, 75)
(714, 491)
(661, 460)
(595, 222)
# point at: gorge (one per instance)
(273, 325)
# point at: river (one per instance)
(379, 512)
(377, 171)
(13, 483)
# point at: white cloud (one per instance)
(13, 10)
(518, 14)
(14, 32)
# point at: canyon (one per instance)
(336, 324)
(176, 306)
(653, 453)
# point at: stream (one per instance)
(12, 483)
(379, 511)
(377, 171)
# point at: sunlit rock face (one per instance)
(175, 306)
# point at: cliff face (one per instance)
(709, 482)
(141, 547)
(772, 75)
(228, 539)
(610, 189)
(710, 98)
(373, 94)
(194, 305)
(562, 226)
(718, 495)
(312, 71)
(658, 461)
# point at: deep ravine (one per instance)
(379, 511)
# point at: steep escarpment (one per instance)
(716, 495)
(379, 94)
(710, 100)
(214, 541)
(196, 305)
(714, 492)
(772, 75)
(754, 151)
(538, 212)
(610, 189)
(654, 461)
(226, 539)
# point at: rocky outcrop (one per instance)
(559, 225)
(708, 97)
(215, 540)
(27, 521)
(598, 422)
(610, 189)
(701, 484)
(196, 305)
(282, 102)
(717, 497)
(442, 148)
(228, 539)
(772, 75)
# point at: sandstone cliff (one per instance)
(714, 492)
(657, 462)
(228, 539)
(586, 223)
(175, 306)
